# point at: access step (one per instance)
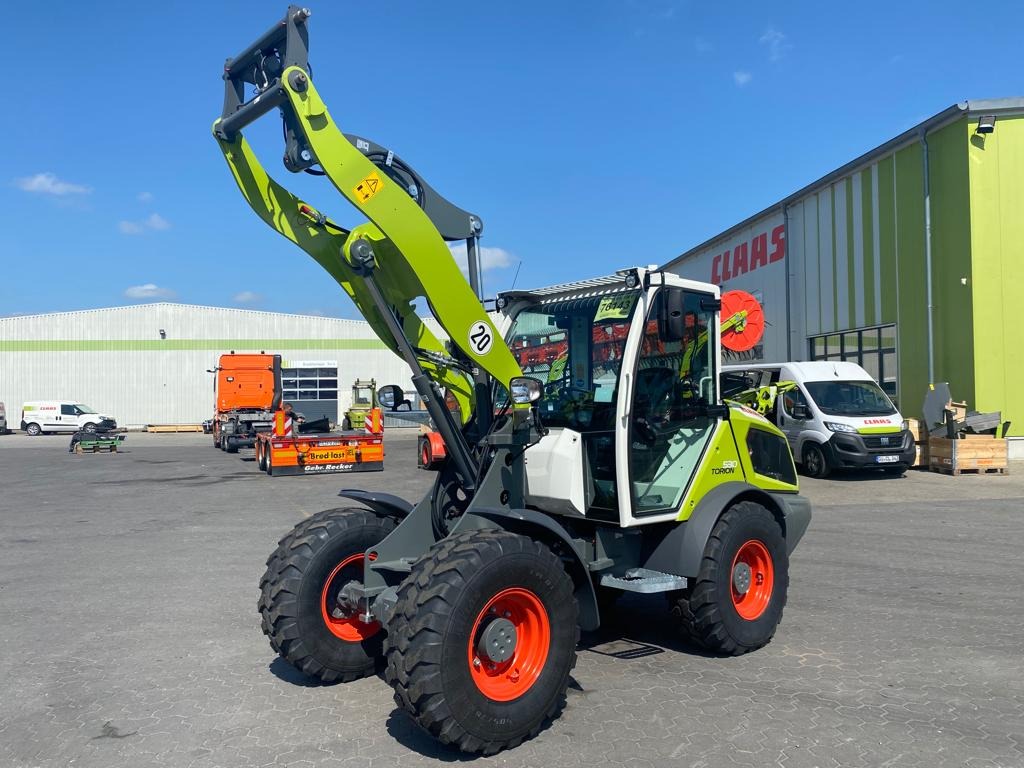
(645, 581)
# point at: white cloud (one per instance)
(48, 184)
(148, 291)
(158, 222)
(145, 197)
(741, 78)
(247, 297)
(490, 258)
(776, 43)
(154, 222)
(703, 46)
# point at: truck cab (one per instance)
(247, 391)
(835, 417)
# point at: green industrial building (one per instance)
(908, 260)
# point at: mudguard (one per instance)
(382, 503)
(681, 550)
(543, 528)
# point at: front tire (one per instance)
(815, 464)
(89, 428)
(736, 602)
(299, 591)
(470, 590)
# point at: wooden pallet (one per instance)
(970, 470)
(174, 428)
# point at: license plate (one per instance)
(887, 459)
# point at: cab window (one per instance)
(68, 410)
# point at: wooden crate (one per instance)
(914, 425)
(982, 454)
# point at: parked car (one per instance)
(3, 420)
(41, 416)
(837, 417)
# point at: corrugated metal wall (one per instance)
(116, 361)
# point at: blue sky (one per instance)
(588, 135)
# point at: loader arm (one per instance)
(409, 256)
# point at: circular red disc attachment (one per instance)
(748, 332)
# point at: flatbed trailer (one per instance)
(286, 452)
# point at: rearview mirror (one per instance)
(801, 412)
(671, 318)
(391, 397)
(526, 389)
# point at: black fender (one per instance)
(385, 504)
(681, 550)
(527, 522)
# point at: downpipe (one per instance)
(928, 253)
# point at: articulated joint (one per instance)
(361, 257)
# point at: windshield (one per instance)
(850, 398)
(363, 396)
(575, 347)
(84, 408)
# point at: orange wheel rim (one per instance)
(752, 579)
(347, 628)
(509, 679)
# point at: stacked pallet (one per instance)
(980, 454)
(920, 443)
(174, 428)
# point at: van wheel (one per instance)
(90, 428)
(33, 429)
(814, 462)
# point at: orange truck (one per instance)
(284, 450)
(247, 392)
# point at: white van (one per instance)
(837, 417)
(42, 416)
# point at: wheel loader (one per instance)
(624, 471)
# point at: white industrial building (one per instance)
(150, 363)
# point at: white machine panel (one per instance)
(555, 481)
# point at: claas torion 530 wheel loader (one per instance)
(625, 472)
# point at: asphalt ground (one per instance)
(129, 634)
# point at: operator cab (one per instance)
(629, 365)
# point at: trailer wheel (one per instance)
(33, 429)
(736, 602)
(261, 456)
(299, 590)
(482, 640)
(268, 462)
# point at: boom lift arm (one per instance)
(386, 264)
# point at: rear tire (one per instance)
(33, 430)
(814, 462)
(301, 584)
(261, 457)
(714, 613)
(443, 679)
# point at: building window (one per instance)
(300, 384)
(873, 349)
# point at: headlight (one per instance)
(835, 427)
(905, 425)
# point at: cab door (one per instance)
(674, 381)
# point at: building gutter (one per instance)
(928, 251)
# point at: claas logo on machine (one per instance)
(368, 187)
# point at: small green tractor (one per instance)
(624, 473)
(364, 398)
